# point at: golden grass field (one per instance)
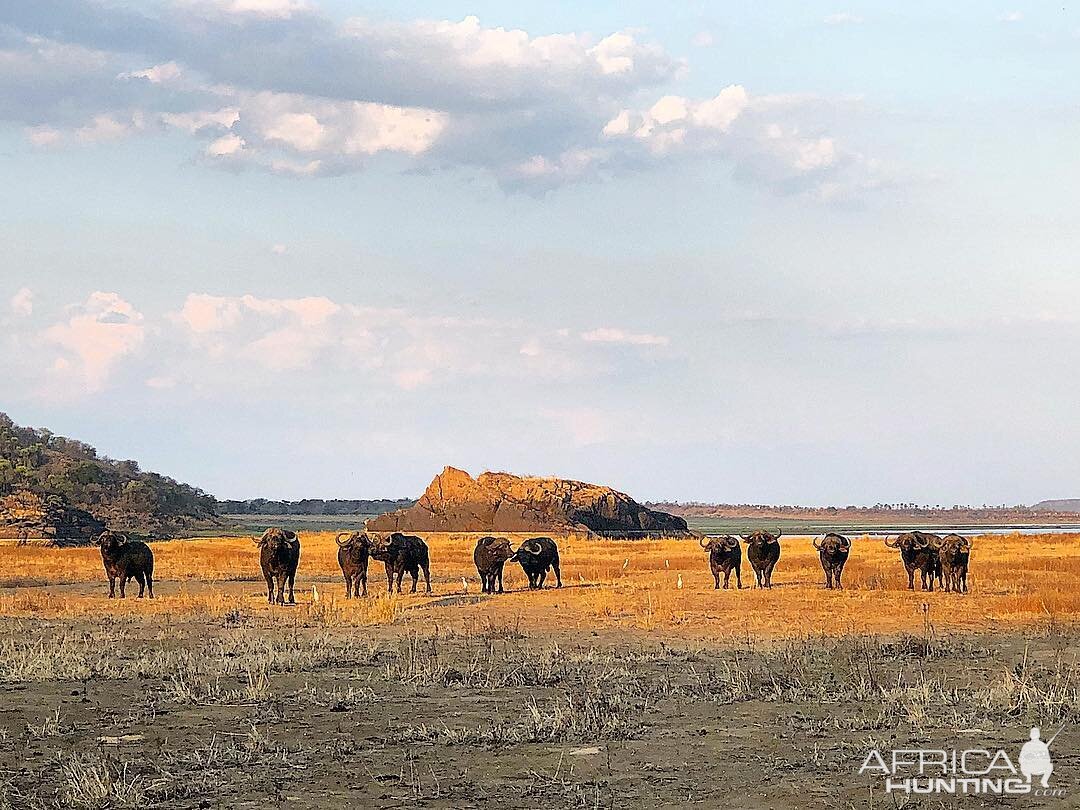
(618, 690)
(1015, 581)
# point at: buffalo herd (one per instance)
(940, 560)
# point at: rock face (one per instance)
(457, 502)
(27, 516)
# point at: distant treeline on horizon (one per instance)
(312, 506)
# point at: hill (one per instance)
(457, 502)
(1061, 505)
(312, 506)
(58, 488)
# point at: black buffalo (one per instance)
(725, 556)
(954, 553)
(918, 552)
(400, 553)
(833, 551)
(352, 556)
(763, 551)
(279, 555)
(127, 559)
(490, 555)
(536, 556)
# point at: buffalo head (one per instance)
(533, 547)
(276, 539)
(762, 537)
(723, 543)
(497, 547)
(110, 541)
(353, 541)
(833, 544)
(913, 541)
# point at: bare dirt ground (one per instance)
(618, 691)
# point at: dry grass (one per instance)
(1016, 580)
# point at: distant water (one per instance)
(706, 525)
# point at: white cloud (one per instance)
(226, 146)
(44, 136)
(1011, 17)
(104, 128)
(762, 137)
(410, 379)
(584, 426)
(605, 335)
(97, 334)
(22, 303)
(843, 18)
(198, 121)
(158, 74)
(270, 9)
(279, 86)
(279, 249)
(703, 39)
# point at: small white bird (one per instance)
(580, 579)
(679, 583)
(314, 593)
(465, 586)
(626, 562)
(667, 564)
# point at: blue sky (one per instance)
(793, 252)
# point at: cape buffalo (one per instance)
(763, 550)
(279, 556)
(833, 552)
(536, 556)
(918, 553)
(954, 552)
(127, 559)
(725, 555)
(352, 556)
(400, 553)
(490, 555)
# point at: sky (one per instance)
(784, 252)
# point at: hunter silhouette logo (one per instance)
(970, 771)
(1035, 757)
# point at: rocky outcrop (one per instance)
(457, 502)
(27, 516)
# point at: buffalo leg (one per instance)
(499, 579)
(280, 589)
(269, 588)
(542, 579)
(123, 583)
(415, 574)
(348, 586)
(738, 575)
(427, 578)
(400, 576)
(839, 573)
(292, 580)
(716, 578)
(142, 584)
(558, 573)
(363, 582)
(150, 583)
(112, 587)
(911, 579)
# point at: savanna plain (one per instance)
(635, 684)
